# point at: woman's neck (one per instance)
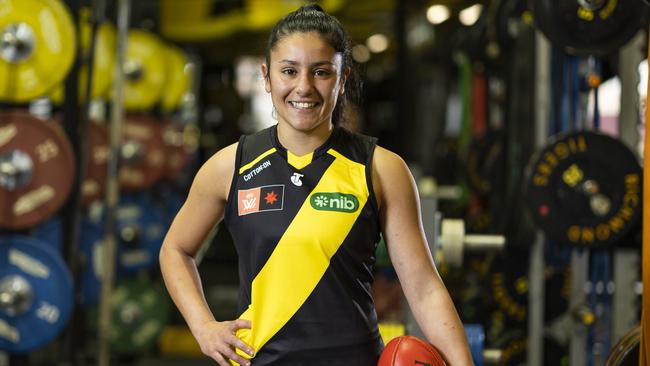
(303, 142)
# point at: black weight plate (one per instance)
(573, 164)
(599, 31)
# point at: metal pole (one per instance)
(112, 184)
(536, 269)
(629, 59)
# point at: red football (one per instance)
(410, 351)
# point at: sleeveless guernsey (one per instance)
(305, 230)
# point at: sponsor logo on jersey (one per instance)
(295, 179)
(334, 201)
(257, 170)
(259, 199)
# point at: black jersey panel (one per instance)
(337, 319)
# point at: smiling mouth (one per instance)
(303, 105)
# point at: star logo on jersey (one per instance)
(295, 179)
(271, 198)
(260, 199)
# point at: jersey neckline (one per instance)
(317, 153)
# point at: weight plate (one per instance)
(584, 189)
(37, 294)
(94, 184)
(145, 71)
(37, 48)
(103, 61)
(91, 244)
(177, 152)
(143, 153)
(178, 78)
(104, 58)
(141, 228)
(37, 169)
(50, 232)
(589, 27)
(139, 311)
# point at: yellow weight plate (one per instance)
(38, 47)
(178, 78)
(102, 64)
(104, 60)
(145, 70)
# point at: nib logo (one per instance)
(334, 201)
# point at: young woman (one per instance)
(305, 201)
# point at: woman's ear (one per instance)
(344, 78)
(267, 80)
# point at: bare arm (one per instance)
(407, 246)
(202, 210)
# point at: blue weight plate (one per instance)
(50, 232)
(476, 339)
(90, 239)
(141, 229)
(52, 288)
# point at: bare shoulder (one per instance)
(388, 170)
(217, 172)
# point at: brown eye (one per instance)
(322, 72)
(288, 71)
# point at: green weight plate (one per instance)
(139, 312)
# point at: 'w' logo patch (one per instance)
(264, 198)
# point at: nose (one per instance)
(305, 83)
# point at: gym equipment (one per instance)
(36, 169)
(103, 61)
(142, 152)
(589, 27)
(144, 69)
(37, 47)
(94, 183)
(140, 309)
(476, 340)
(626, 351)
(408, 351)
(486, 164)
(453, 241)
(91, 245)
(176, 150)
(50, 232)
(584, 189)
(36, 294)
(178, 81)
(141, 228)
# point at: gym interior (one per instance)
(109, 107)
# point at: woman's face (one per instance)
(305, 80)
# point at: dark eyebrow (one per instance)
(315, 64)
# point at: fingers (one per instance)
(235, 341)
(241, 323)
(219, 358)
(238, 343)
(231, 354)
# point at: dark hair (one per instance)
(312, 18)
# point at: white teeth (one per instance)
(303, 105)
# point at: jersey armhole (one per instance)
(235, 177)
(371, 190)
